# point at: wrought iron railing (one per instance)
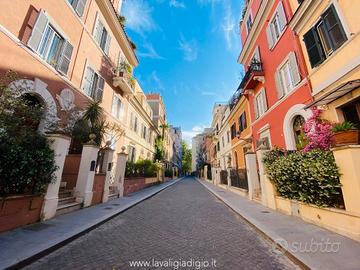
(254, 66)
(239, 178)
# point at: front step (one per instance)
(67, 208)
(66, 200)
(65, 193)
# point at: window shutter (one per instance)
(38, 31)
(88, 81)
(98, 31)
(256, 108)
(107, 44)
(100, 89)
(263, 100)
(65, 58)
(334, 27)
(279, 85)
(282, 16)
(80, 7)
(294, 68)
(269, 36)
(313, 47)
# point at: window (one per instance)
(136, 124)
(47, 41)
(102, 36)
(117, 107)
(228, 136)
(78, 6)
(325, 37)
(93, 84)
(249, 23)
(144, 130)
(287, 76)
(276, 26)
(223, 141)
(242, 122)
(233, 131)
(131, 153)
(260, 105)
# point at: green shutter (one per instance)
(314, 48)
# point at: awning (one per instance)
(338, 92)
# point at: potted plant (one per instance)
(123, 70)
(346, 133)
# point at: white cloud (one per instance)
(228, 27)
(189, 134)
(150, 52)
(155, 80)
(189, 48)
(176, 4)
(138, 16)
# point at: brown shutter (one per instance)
(29, 23)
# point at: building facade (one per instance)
(276, 82)
(176, 137)
(329, 33)
(141, 131)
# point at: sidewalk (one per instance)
(311, 246)
(28, 243)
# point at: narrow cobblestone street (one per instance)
(184, 222)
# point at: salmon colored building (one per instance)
(276, 82)
(67, 53)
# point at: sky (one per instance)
(188, 52)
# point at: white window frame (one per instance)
(115, 110)
(88, 65)
(261, 103)
(106, 49)
(287, 80)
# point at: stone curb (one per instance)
(293, 257)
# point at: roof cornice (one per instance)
(110, 15)
(303, 14)
(259, 21)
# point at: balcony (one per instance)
(253, 76)
(235, 98)
(125, 81)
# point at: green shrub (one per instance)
(310, 177)
(27, 163)
(168, 173)
(142, 168)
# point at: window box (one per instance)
(348, 137)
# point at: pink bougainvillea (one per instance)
(318, 132)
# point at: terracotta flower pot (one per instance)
(347, 137)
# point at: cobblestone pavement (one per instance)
(184, 224)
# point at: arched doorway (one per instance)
(35, 110)
(298, 128)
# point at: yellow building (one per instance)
(329, 33)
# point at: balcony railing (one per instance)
(254, 69)
(235, 98)
(239, 178)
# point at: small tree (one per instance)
(200, 158)
(186, 157)
(318, 132)
(159, 149)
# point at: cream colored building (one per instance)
(141, 131)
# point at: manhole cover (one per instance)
(108, 208)
(115, 204)
(37, 227)
(266, 212)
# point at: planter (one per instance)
(347, 137)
